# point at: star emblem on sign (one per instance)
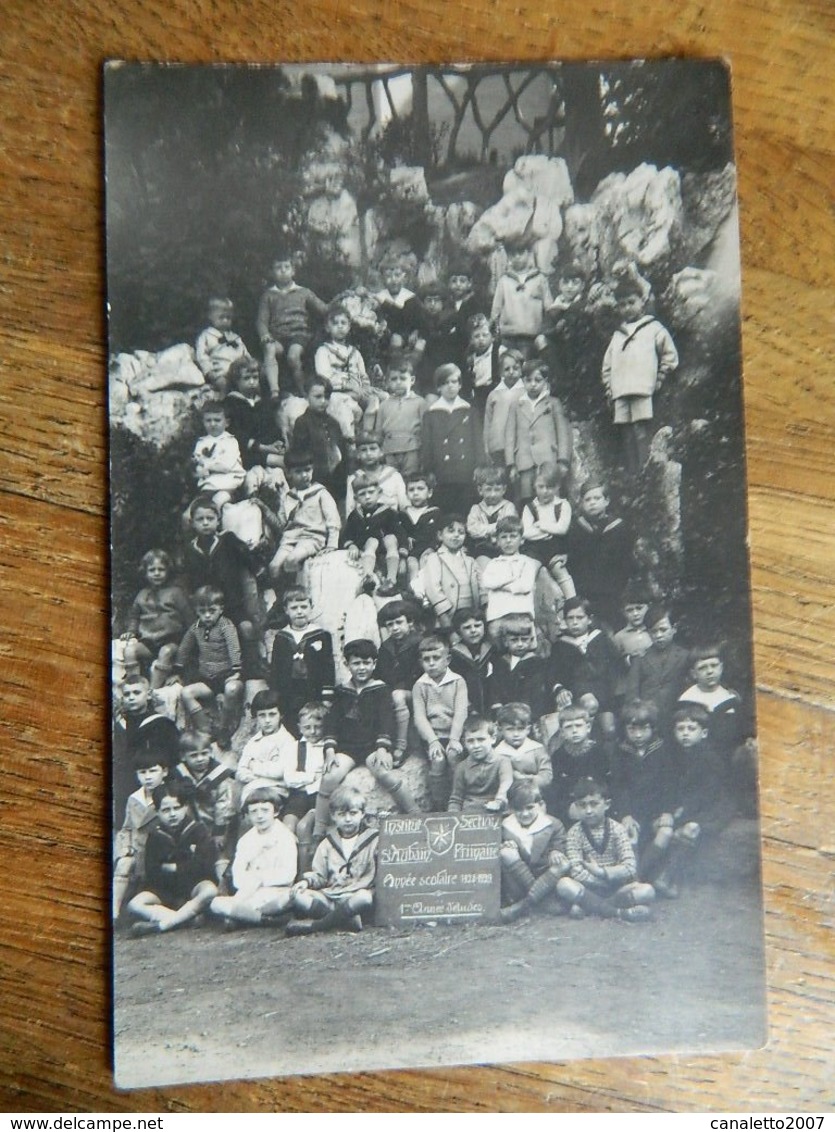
(440, 833)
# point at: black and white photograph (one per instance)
(433, 737)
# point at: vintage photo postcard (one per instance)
(433, 701)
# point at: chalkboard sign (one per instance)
(438, 867)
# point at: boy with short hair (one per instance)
(360, 730)
(343, 366)
(284, 323)
(398, 665)
(521, 298)
(491, 485)
(451, 440)
(138, 727)
(660, 675)
(264, 867)
(497, 407)
(574, 754)
(338, 889)
(723, 704)
(140, 814)
(213, 793)
(439, 706)
(263, 756)
(302, 665)
(520, 673)
(217, 457)
(312, 518)
(510, 579)
(420, 519)
(638, 359)
(179, 864)
(399, 419)
(372, 532)
(532, 854)
(400, 308)
(218, 346)
(209, 663)
(538, 431)
(633, 640)
(603, 871)
(528, 757)
(449, 577)
(600, 551)
(702, 803)
(219, 558)
(248, 418)
(473, 655)
(370, 461)
(316, 431)
(484, 355)
(482, 780)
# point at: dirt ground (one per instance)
(206, 1005)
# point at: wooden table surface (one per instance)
(54, 1001)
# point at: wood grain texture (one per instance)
(54, 1003)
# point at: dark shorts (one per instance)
(215, 684)
(298, 803)
(545, 550)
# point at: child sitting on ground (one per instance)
(420, 520)
(398, 665)
(370, 461)
(360, 730)
(284, 324)
(532, 855)
(302, 665)
(218, 346)
(482, 780)
(702, 803)
(264, 867)
(399, 419)
(491, 485)
(140, 814)
(338, 889)
(643, 784)
(545, 522)
(372, 534)
(528, 757)
(449, 577)
(343, 366)
(312, 518)
(217, 457)
(179, 880)
(603, 872)
(213, 794)
(157, 620)
(439, 706)
(209, 664)
(497, 407)
(320, 434)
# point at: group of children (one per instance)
(520, 661)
